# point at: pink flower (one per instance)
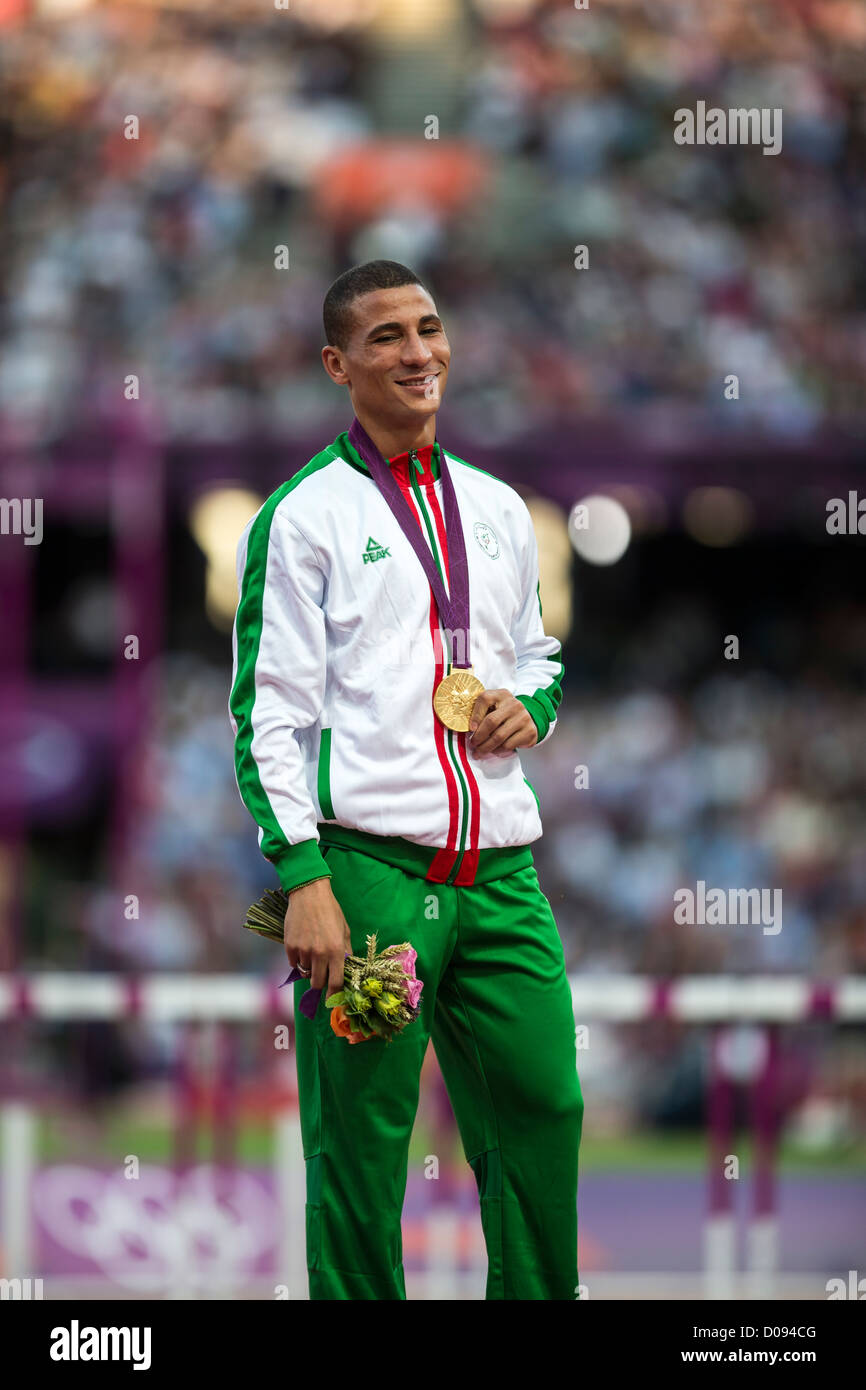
(414, 986)
(407, 961)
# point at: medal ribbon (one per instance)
(454, 608)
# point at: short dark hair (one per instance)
(360, 279)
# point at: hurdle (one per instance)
(748, 1009)
(744, 1015)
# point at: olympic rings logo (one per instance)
(206, 1229)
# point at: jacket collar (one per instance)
(428, 459)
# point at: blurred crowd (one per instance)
(744, 782)
(747, 783)
(306, 128)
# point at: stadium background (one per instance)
(154, 258)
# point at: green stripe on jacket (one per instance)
(301, 862)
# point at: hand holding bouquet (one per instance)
(380, 993)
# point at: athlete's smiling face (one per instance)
(395, 364)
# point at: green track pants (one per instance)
(497, 1004)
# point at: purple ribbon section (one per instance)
(453, 608)
(310, 997)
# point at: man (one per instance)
(381, 817)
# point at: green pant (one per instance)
(497, 1003)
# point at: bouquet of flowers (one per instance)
(380, 993)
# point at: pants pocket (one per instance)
(487, 1167)
(313, 1212)
(313, 1219)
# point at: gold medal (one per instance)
(455, 698)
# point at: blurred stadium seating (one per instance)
(154, 258)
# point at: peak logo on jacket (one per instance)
(375, 551)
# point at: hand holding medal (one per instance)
(500, 723)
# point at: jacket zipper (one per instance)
(455, 868)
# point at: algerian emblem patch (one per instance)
(486, 538)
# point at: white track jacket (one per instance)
(338, 649)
